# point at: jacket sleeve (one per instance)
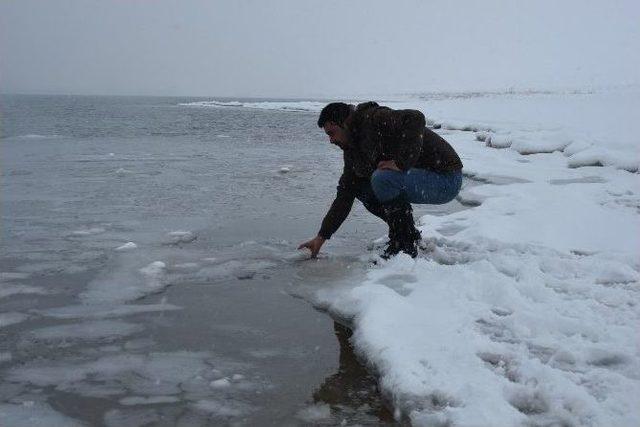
(407, 139)
(340, 207)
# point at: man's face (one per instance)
(337, 135)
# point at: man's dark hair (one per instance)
(336, 112)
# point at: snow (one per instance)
(524, 308)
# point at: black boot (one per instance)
(403, 236)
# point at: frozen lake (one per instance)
(149, 271)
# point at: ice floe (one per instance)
(126, 284)
(97, 311)
(88, 231)
(7, 276)
(34, 414)
(94, 330)
(181, 236)
(11, 318)
(7, 289)
(151, 400)
(315, 413)
(223, 409)
(127, 247)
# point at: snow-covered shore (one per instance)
(524, 308)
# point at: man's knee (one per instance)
(386, 184)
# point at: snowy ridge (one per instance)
(590, 129)
(523, 309)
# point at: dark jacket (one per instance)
(379, 133)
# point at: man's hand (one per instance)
(388, 164)
(313, 245)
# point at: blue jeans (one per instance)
(419, 186)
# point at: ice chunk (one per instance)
(131, 418)
(298, 255)
(186, 266)
(11, 318)
(88, 231)
(6, 276)
(126, 284)
(220, 383)
(149, 400)
(220, 408)
(315, 413)
(33, 414)
(123, 172)
(8, 290)
(153, 374)
(154, 270)
(100, 311)
(127, 247)
(105, 329)
(179, 236)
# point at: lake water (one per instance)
(149, 271)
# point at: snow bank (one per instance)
(524, 309)
(598, 122)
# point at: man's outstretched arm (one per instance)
(334, 218)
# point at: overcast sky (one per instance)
(298, 48)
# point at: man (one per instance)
(390, 161)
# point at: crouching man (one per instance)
(390, 161)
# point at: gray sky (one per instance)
(297, 48)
